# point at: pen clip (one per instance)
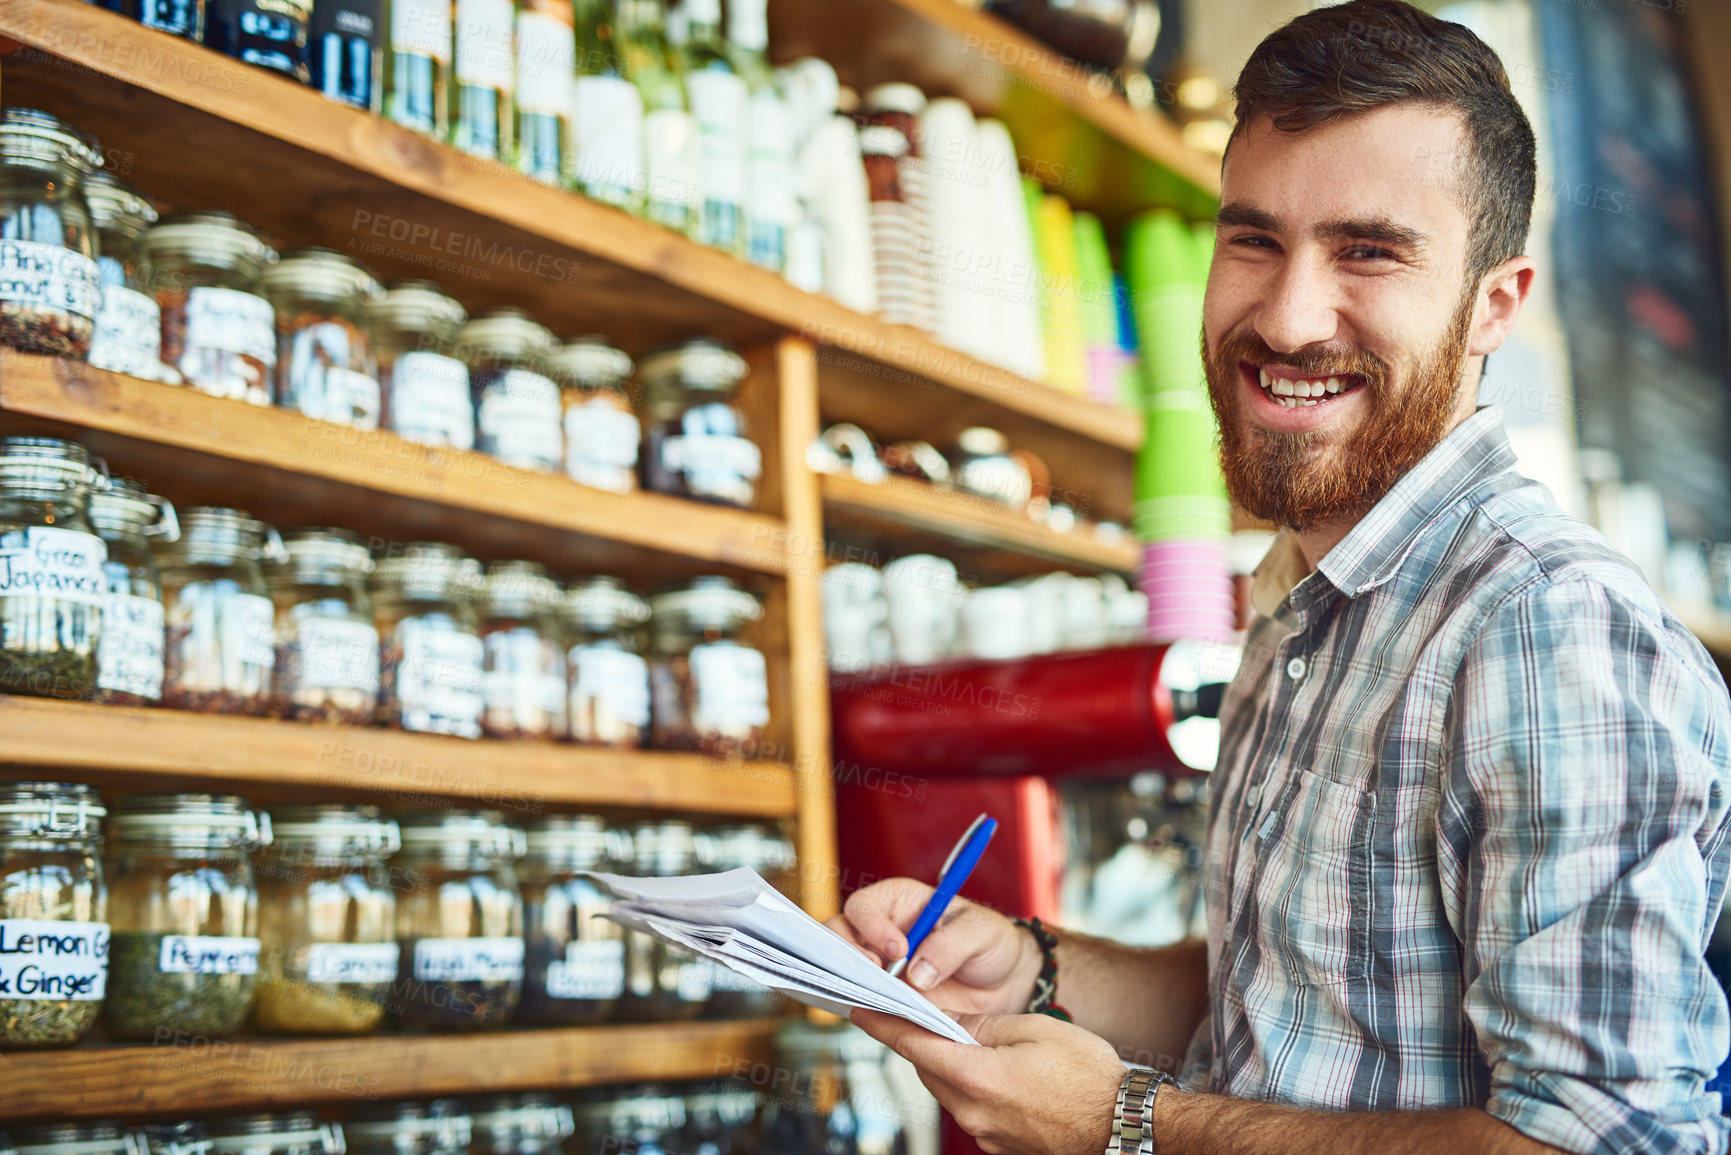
(961, 844)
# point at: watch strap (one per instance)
(1133, 1117)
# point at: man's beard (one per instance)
(1282, 478)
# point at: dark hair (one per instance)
(1369, 54)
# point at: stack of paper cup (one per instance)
(1066, 340)
(1098, 292)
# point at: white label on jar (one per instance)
(607, 132)
(732, 686)
(422, 28)
(231, 321)
(129, 653)
(63, 564)
(546, 63)
(186, 954)
(519, 418)
(718, 101)
(771, 173)
(248, 623)
(696, 980)
(615, 680)
(430, 400)
(439, 679)
(670, 153)
(128, 337)
(351, 398)
(469, 960)
(337, 654)
(517, 677)
(711, 454)
(46, 959)
(601, 443)
(50, 276)
(352, 962)
(484, 43)
(589, 970)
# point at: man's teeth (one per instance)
(1295, 394)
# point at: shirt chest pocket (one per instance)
(1311, 894)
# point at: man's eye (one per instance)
(1254, 241)
(1369, 253)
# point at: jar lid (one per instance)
(319, 274)
(321, 547)
(221, 240)
(582, 841)
(508, 333)
(430, 571)
(126, 506)
(198, 820)
(76, 1139)
(185, 1138)
(705, 603)
(666, 847)
(336, 829)
(980, 441)
(227, 533)
(603, 604)
(29, 135)
(897, 97)
(749, 844)
(418, 306)
(482, 830)
(521, 589)
(48, 464)
(590, 361)
(441, 1122)
(116, 205)
(882, 140)
(255, 1133)
(69, 810)
(512, 1122)
(701, 364)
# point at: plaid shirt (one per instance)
(1468, 837)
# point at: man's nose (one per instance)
(1300, 308)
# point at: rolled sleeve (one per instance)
(1582, 853)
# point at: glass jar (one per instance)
(129, 656)
(719, 1114)
(324, 357)
(327, 647)
(439, 1127)
(602, 434)
(128, 333)
(217, 332)
(185, 914)
(430, 669)
(184, 1138)
(517, 409)
(519, 1125)
(763, 849)
(290, 1133)
(48, 641)
(220, 643)
(53, 913)
(711, 692)
(423, 391)
(637, 1120)
(459, 921)
(525, 665)
(838, 1097)
(696, 445)
(609, 678)
(663, 982)
(51, 288)
(574, 970)
(82, 1138)
(327, 921)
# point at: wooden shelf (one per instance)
(118, 747)
(986, 539)
(199, 1076)
(292, 470)
(1711, 627)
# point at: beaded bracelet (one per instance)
(1045, 1000)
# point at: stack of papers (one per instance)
(743, 923)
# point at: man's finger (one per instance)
(842, 927)
(930, 1053)
(882, 913)
(970, 935)
(1004, 1030)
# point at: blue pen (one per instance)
(951, 878)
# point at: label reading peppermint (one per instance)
(63, 564)
(589, 970)
(607, 133)
(337, 654)
(185, 954)
(469, 960)
(46, 959)
(439, 679)
(128, 337)
(616, 681)
(546, 64)
(129, 653)
(520, 421)
(422, 28)
(352, 962)
(50, 276)
(430, 401)
(732, 686)
(231, 321)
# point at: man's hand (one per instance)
(976, 960)
(1036, 1086)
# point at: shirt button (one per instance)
(1295, 669)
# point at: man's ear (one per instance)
(1502, 292)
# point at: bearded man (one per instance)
(1467, 838)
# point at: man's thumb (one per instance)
(997, 1030)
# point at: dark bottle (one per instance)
(345, 51)
(418, 65)
(269, 33)
(176, 17)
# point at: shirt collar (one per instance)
(1475, 450)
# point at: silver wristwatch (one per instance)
(1133, 1117)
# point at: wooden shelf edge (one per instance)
(520, 778)
(193, 1075)
(1711, 628)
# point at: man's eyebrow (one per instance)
(1380, 229)
(1243, 215)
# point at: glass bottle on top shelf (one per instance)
(663, 982)
(602, 434)
(184, 908)
(288, 1133)
(419, 40)
(439, 1127)
(423, 390)
(345, 52)
(770, 206)
(459, 921)
(574, 966)
(481, 97)
(183, 18)
(128, 334)
(604, 148)
(324, 357)
(710, 690)
(52, 891)
(430, 670)
(670, 145)
(271, 34)
(696, 444)
(220, 651)
(130, 654)
(53, 288)
(49, 640)
(546, 72)
(609, 679)
(517, 410)
(327, 921)
(327, 646)
(217, 332)
(720, 104)
(524, 675)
